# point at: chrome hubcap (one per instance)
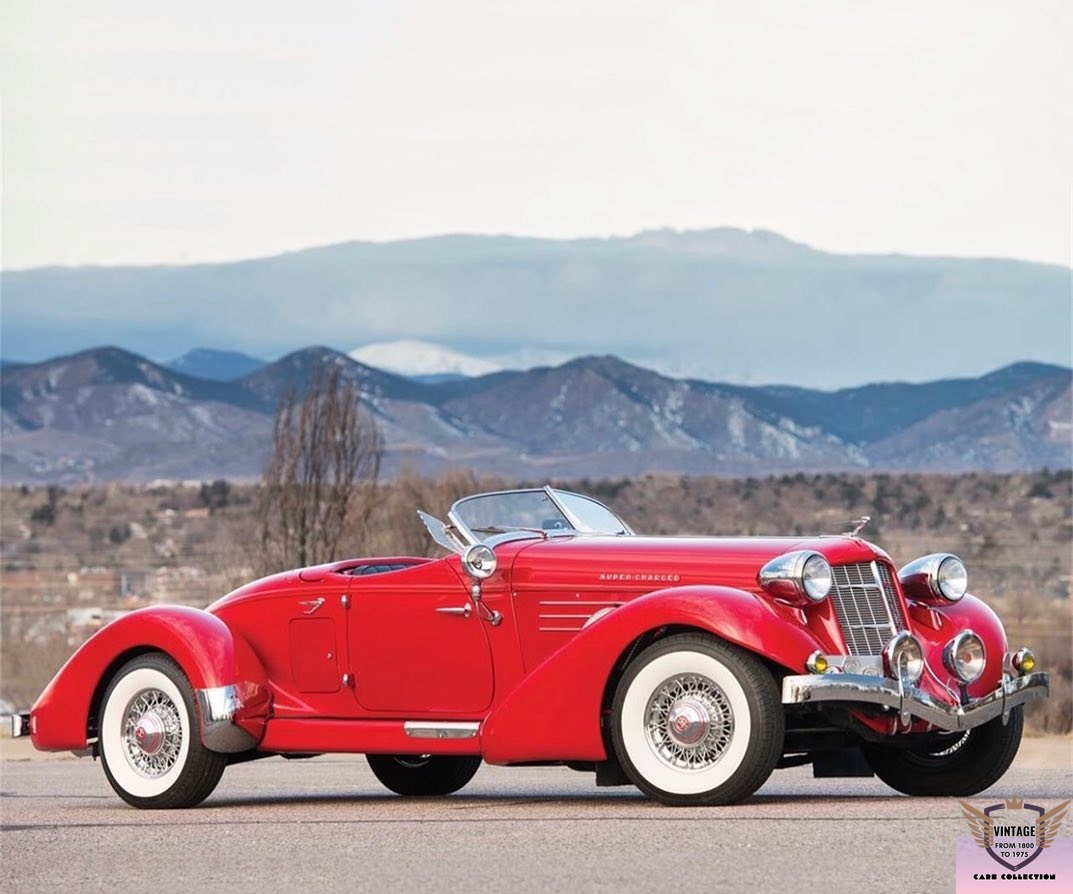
(689, 722)
(149, 733)
(152, 733)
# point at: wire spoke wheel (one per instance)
(696, 721)
(149, 745)
(152, 732)
(690, 722)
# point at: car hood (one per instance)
(651, 562)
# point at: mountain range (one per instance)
(720, 305)
(108, 414)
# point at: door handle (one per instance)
(465, 611)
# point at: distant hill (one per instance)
(720, 305)
(221, 366)
(108, 414)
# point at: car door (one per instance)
(417, 645)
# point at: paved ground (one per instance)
(326, 825)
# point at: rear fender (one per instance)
(555, 712)
(220, 665)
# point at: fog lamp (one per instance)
(903, 657)
(1024, 661)
(817, 663)
(965, 656)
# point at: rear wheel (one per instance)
(423, 774)
(697, 721)
(149, 746)
(961, 764)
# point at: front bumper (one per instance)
(911, 702)
(20, 725)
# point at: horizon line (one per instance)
(525, 237)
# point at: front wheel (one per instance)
(423, 774)
(961, 764)
(149, 747)
(696, 721)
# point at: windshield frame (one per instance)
(577, 525)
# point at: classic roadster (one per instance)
(552, 634)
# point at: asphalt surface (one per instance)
(326, 825)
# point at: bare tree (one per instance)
(319, 483)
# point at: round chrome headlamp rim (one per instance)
(900, 645)
(952, 590)
(821, 576)
(923, 578)
(966, 670)
(784, 576)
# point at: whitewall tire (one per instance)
(697, 721)
(149, 744)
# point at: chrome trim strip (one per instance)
(884, 691)
(566, 617)
(441, 729)
(219, 732)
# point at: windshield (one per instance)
(542, 511)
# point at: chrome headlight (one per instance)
(801, 575)
(903, 657)
(965, 656)
(940, 576)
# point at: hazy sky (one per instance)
(140, 132)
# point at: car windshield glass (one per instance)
(542, 511)
(590, 515)
(488, 514)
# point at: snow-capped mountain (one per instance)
(420, 359)
(106, 414)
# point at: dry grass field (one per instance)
(71, 558)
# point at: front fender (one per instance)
(935, 626)
(554, 713)
(215, 661)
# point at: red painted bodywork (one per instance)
(333, 660)
(203, 645)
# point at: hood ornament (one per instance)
(859, 524)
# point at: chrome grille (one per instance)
(867, 606)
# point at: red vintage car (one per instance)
(690, 667)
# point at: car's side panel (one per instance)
(296, 735)
(209, 654)
(299, 630)
(554, 713)
(418, 646)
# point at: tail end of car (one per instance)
(162, 695)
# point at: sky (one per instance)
(139, 133)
